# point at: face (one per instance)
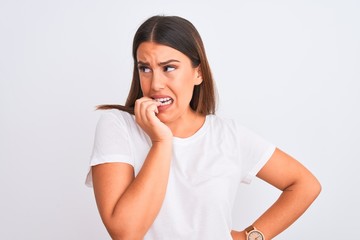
(167, 76)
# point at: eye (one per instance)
(169, 68)
(144, 69)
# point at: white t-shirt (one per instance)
(206, 170)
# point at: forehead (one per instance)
(148, 51)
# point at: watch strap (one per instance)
(249, 228)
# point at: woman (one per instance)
(165, 167)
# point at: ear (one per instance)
(198, 74)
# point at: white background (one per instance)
(289, 70)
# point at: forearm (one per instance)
(299, 189)
(291, 204)
(137, 208)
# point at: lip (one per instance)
(160, 96)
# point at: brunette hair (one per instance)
(180, 34)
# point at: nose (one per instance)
(157, 81)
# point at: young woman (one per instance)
(165, 167)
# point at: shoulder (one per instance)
(113, 121)
(223, 127)
(116, 117)
(232, 126)
(220, 122)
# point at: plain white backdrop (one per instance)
(288, 70)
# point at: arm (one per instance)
(299, 189)
(128, 206)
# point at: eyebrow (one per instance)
(160, 64)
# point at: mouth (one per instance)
(164, 101)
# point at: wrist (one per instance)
(163, 145)
(253, 233)
(162, 142)
(238, 235)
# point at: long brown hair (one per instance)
(180, 34)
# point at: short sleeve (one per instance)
(111, 142)
(254, 151)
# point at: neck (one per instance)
(186, 128)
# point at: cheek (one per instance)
(185, 88)
(145, 86)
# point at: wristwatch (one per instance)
(253, 234)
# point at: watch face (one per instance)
(255, 235)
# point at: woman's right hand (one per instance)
(145, 115)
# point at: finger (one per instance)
(139, 105)
(143, 105)
(146, 109)
(137, 110)
(151, 111)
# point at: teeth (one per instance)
(164, 101)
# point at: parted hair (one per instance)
(180, 34)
